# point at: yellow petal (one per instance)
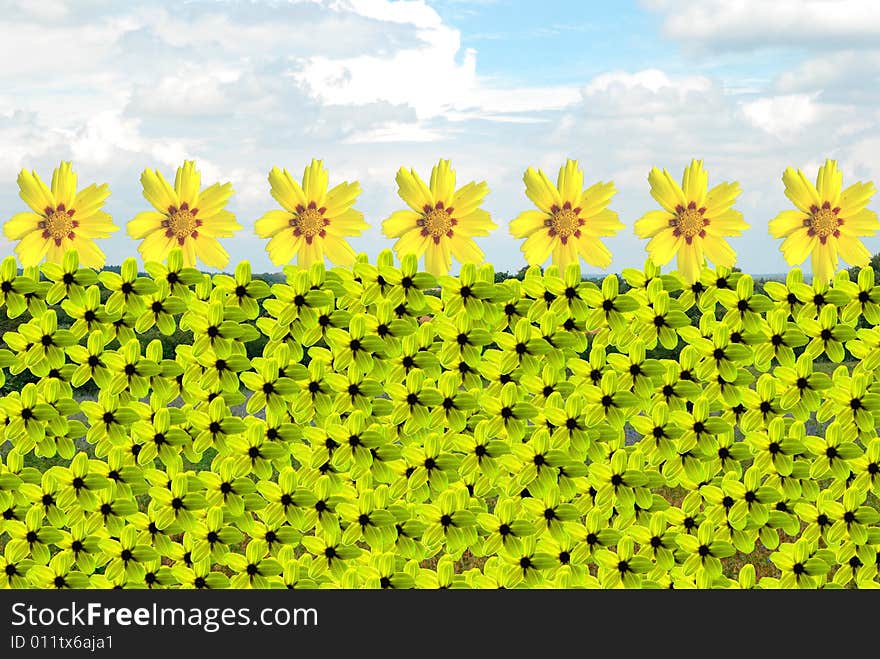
(188, 246)
(605, 223)
(465, 250)
(540, 190)
(663, 246)
(566, 253)
(34, 192)
(399, 222)
(286, 190)
(721, 197)
(283, 247)
(90, 255)
(210, 251)
(90, 199)
(349, 223)
(221, 225)
(570, 182)
(651, 223)
(158, 191)
(271, 223)
(20, 224)
(413, 191)
(143, 223)
(695, 182)
(64, 185)
(442, 182)
(797, 246)
(315, 180)
(187, 183)
(438, 259)
(537, 247)
(786, 222)
(213, 199)
(32, 248)
(595, 198)
(718, 251)
(666, 190)
(855, 198)
(863, 223)
(527, 223)
(728, 223)
(853, 251)
(690, 260)
(97, 225)
(338, 251)
(411, 242)
(593, 251)
(476, 223)
(469, 197)
(341, 198)
(309, 253)
(824, 261)
(156, 245)
(829, 182)
(800, 190)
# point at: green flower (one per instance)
(413, 401)
(172, 273)
(780, 337)
(659, 433)
(127, 555)
(83, 544)
(610, 401)
(848, 401)
(833, 451)
(551, 514)
(448, 522)
(68, 278)
(826, 335)
(329, 553)
(525, 562)
(14, 287)
(58, 574)
(368, 521)
(243, 292)
(802, 566)
(864, 298)
(177, 504)
(635, 372)
(15, 565)
(656, 542)
(608, 307)
(702, 554)
(200, 576)
(622, 568)
(660, 319)
(127, 288)
(32, 536)
(78, 486)
(784, 294)
(254, 569)
(744, 307)
(466, 293)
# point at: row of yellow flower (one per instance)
(442, 221)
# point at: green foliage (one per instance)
(375, 427)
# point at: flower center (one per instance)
(309, 222)
(437, 221)
(564, 222)
(823, 222)
(182, 223)
(59, 224)
(689, 222)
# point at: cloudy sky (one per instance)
(749, 86)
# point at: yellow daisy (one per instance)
(827, 222)
(693, 222)
(314, 222)
(186, 217)
(62, 219)
(442, 221)
(570, 219)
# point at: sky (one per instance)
(748, 86)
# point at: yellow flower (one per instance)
(442, 221)
(314, 222)
(827, 222)
(186, 217)
(570, 219)
(63, 219)
(693, 222)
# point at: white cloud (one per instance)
(785, 115)
(748, 24)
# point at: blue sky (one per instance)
(369, 86)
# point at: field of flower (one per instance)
(380, 425)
